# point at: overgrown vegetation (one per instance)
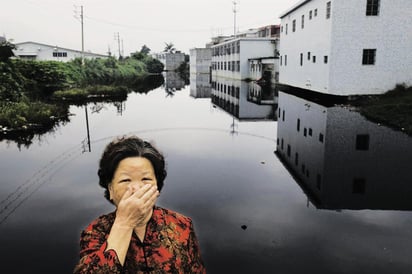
(34, 94)
(393, 108)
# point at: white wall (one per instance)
(200, 60)
(390, 34)
(342, 38)
(315, 38)
(44, 52)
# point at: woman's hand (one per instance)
(136, 206)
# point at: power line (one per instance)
(145, 28)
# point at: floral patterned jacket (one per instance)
(169, 246)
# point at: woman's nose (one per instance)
(136, 185)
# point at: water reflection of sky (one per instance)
(222, 179)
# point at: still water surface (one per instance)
(255, 208)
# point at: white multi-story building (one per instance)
(43, 52)
(171, 60)
(340, 159)
(346, 47)
(230, 59)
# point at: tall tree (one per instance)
(170, 47)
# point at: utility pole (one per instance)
(117, 37)
(234, 18)
(81, 22)
(81, 17)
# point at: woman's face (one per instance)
(134, 172)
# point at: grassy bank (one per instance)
(91, 93)
(393, 108)
(27, 115)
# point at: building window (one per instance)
(305, 132)
(362, 142)
(286, 60)
(310, 15)
(310, 132)
(315, 13)
(298, 125)
(309, 55)
(294, 25)
(59, 54)
(303, 22)
(325, 59)
(281, 29)
(321, 137)
(283, 115)
(369, 56)
(286, 32)
(288, 151)
(328, 4)
(359, 186)
(281, 60)
(296, 158)
(281, 144)
(314, 59)
(372, 7)
(301, 59)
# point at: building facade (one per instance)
(346, 47)
(200, 60)
(44, 52)
(230, 59)
(171, 60)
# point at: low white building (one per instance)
(44, 52)
(171, 61)
(230, 59)
(346, 47)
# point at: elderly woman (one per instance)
(138, 237)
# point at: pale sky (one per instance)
(185, 23)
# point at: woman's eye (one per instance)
(125, 180)
(147, 179)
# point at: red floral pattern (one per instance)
(170, 246)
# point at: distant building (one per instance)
(230, 59)
(171, 61)
(44, 52)
(346, 47)
(200, 60)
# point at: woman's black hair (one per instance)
(124, 147)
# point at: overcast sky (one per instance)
(185, 23)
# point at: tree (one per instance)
(6, 50)
(145, 50)
(141, 55)
(170, 47)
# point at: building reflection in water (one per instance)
(200, 85)
(340, 159)
(244, 100)
(173, 82)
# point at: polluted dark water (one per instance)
(274, 183)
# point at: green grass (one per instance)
(393, 108)
(24, 115)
